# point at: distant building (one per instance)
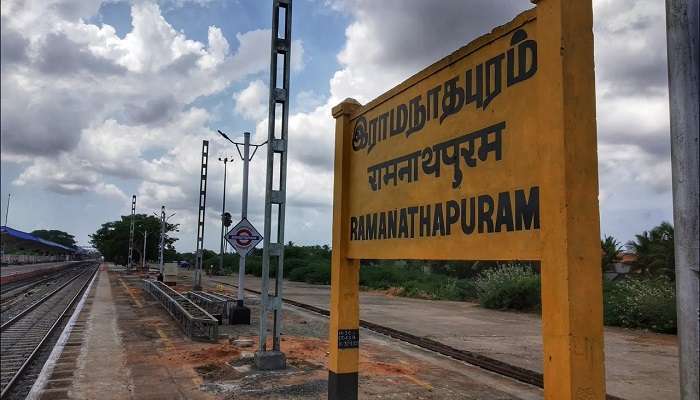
(24, 248)
(623, 265)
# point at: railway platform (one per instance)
(127, 346)
(639, 365)
(124, 344)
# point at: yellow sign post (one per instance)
(489, 153)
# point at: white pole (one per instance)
(2, 245)
(145, 236)
(244, 214)
(7, 209)
(683, 84)
(162, 237)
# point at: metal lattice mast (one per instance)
(162, 239)
(131, 233)
(277, 145)
(197, 275)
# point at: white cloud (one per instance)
(251, 102)
(82, 106)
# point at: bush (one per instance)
(319, 274)
(641, 303)
(509, 287)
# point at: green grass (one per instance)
(511, 287)
(632, 303)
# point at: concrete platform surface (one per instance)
(128, 347)
(640, 365)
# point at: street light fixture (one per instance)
(241, 314)
(225, 160)
(163, 221)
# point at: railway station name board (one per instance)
(488, 154)
(451, 156)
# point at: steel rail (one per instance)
(18, 289)
(14, 319)
(14, 291)
(520, 374)
(51, 330)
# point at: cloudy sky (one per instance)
(104, 99)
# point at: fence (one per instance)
(214, 305)
(194, 321)
(18, 259)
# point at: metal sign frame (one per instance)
(555, 109)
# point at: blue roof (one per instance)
(29, 237)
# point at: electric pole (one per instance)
(2, 245)
(280, 45)
(201, 214)
(145, 236)
(163, 223)
(223, 210)
(683, 41)
(131, 233)
(241, 314)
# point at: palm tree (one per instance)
(654, 251)
(611, 248)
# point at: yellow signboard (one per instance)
(489, 153)
(447, 165)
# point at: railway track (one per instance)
(12, 288)
(29, 335)
(514, 372)
(21, 297)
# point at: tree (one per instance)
(654, 250)
(112, 239)
(611, 249)
(56, 236)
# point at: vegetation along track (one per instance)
(514, 372)
(28, 337)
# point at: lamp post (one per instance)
(163, 221)
(241, 314)
(2, 245)
(145, 237)
(223, 210)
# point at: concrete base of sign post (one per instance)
(240, 315)
(270, 360)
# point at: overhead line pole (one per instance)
(223, 210)
(131, 233)
(244, 215)
(683, 42)
(201, 214)
(162, 239)
(163, 222)
(145, 237)
(2, 245)
(280, 45)
(7, 208)
(241, 314)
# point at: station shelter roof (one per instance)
(16, 240)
